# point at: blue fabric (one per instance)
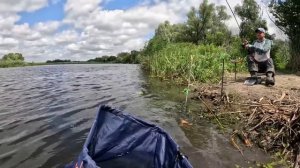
(117, 140)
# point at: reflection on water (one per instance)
(46, 113)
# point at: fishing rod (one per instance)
(234, 15)
(235, 18)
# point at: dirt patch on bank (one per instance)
(266, 116)
(287, 83)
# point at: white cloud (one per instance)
(12, 6)
(65, 37)
(88, 30)
(80, 8)
(47, 27)
(8, 42)
(7, 21)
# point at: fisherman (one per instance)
(259, 59)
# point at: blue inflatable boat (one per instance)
(118, 140)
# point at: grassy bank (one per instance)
(189, 62)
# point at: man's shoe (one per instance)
(270, 79)
(255, 78)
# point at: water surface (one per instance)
(46, 113)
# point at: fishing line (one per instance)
(268, 14)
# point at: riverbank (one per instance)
(267, 117)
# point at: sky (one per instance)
(83, 29)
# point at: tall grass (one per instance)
(189, 62)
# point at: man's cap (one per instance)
(260, 30)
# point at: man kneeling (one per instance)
(259, 59)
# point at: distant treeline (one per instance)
(123, 58)
(58, 61)
(17, 59)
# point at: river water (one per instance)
(46, 113)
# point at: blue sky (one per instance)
(54, 11)
(120, 4)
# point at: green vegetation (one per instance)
(281, 54)
(287, 19)
(194, 50)
(189, 62)
(12, 60)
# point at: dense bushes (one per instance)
(281, 54)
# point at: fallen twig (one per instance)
(235, 144)
(297, 161)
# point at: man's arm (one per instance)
(250, 48)
(264, 49)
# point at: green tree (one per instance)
(164, 31)
(199, 22)
(123, 57)
(249, 13)
(287, 18)
(112, 59)
(206, 21)
(134, 57)
(13, 57)
(164, 34)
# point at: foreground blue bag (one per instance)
(117, 140)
